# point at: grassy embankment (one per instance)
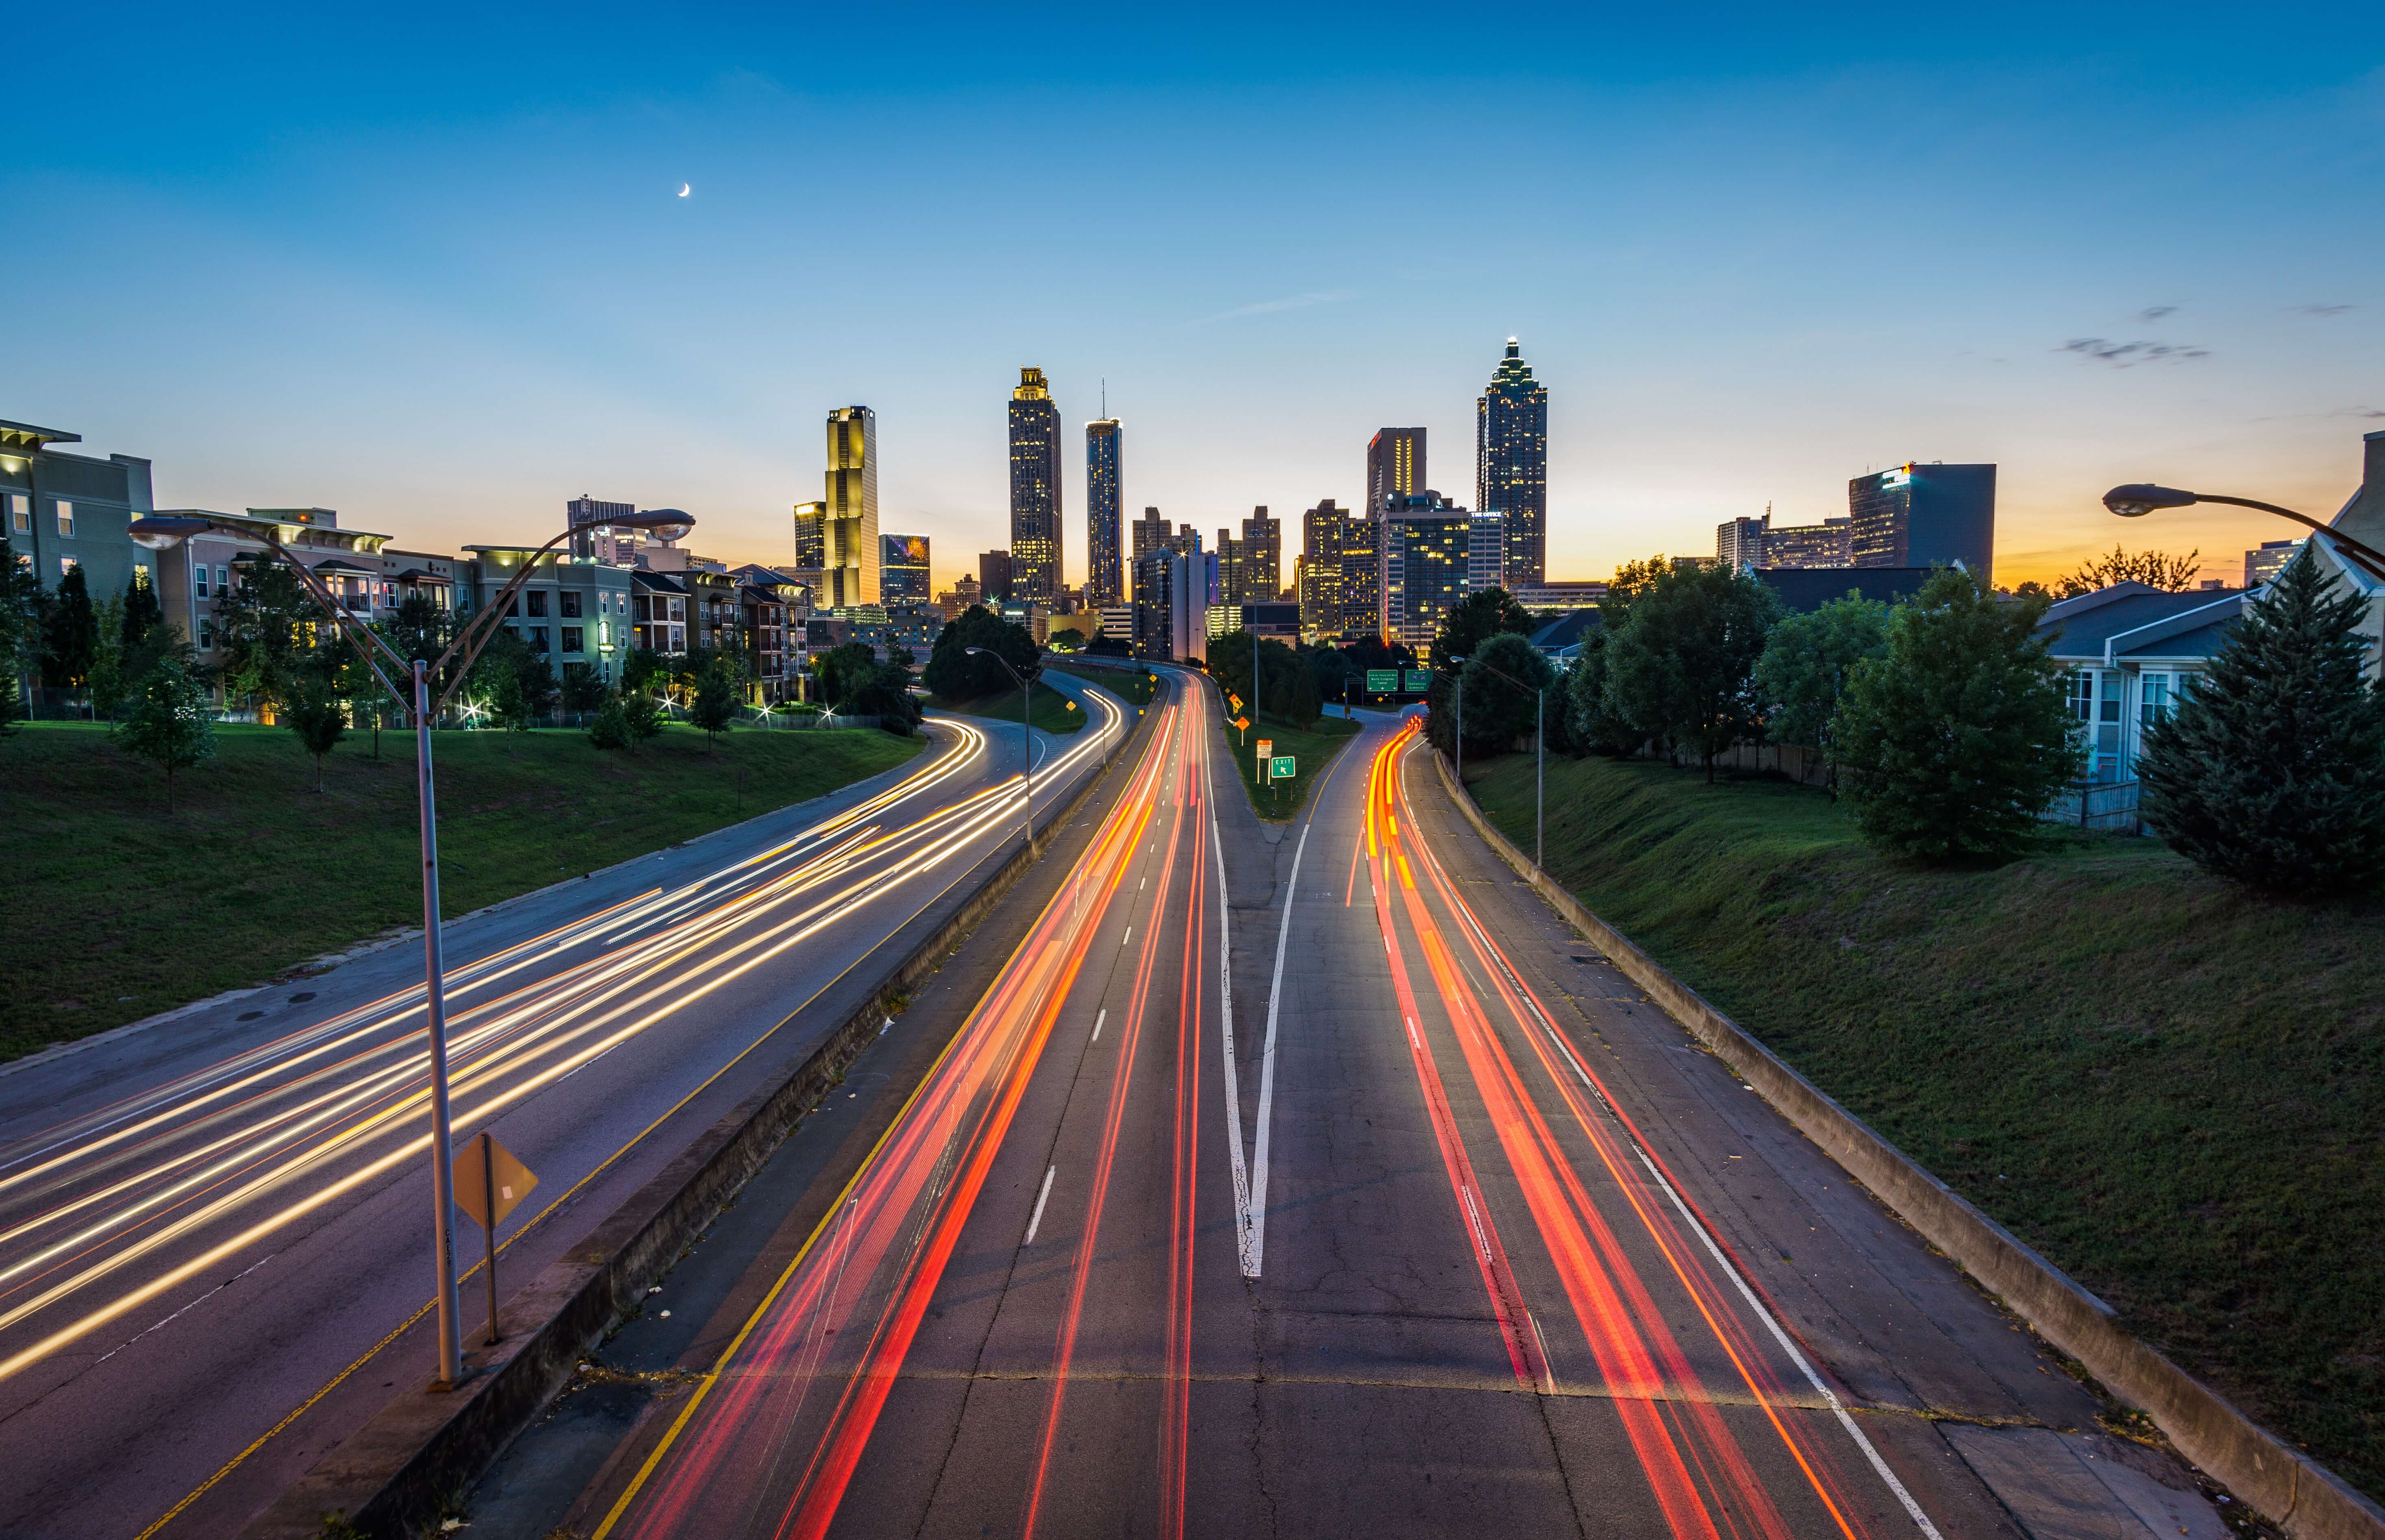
(1134, 686)
(2172, 1087)
(1048, 708)
(1312, 749)
(116, 912)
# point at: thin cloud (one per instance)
(2156, 312)
(2320, 309)
(2129, 355)
(1270, 306)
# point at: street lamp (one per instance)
(1026, 740)
(1540, 746)
(163, 531)
(2138, 499)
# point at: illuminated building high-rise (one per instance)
(1035, 546)
(1511, 464)
(1262, 546)
(1394, 466)
(849, 553)
(1322, 538)
(1105, 515)
(1423, 564)
(902, 575)
(811, 543)
(1917, 515)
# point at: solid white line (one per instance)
(1254, 1218)
(1038, 1218)
(1129, 936)
(1097, 1025)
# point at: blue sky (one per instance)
(433, 270)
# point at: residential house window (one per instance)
(538, 637)
(572, 636)
(570, 602)
(66, 521)
(199, 581)
(2082, 695)
(20, 513)
(65, 565)
(678, 609)
(2153, 701)
(537, 598)
(223, 579)
(207, 636)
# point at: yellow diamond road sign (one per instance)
(490, 1182)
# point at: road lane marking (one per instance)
(1098, 1026)
(1036, 1219)
(1254, 1217)
(1129, 936)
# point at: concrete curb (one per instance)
(425, 1448)
(2291, 1490)
(398, 937)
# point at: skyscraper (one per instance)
(1035, 546)
(1362, 575)
(997, 575)
(1511, 464)
(1105, 514)
(903, 576)
(1322, 541)
(1262, 546)
(1486, 549)
(849, 551)
(1423, 560)
(1394, 466)
(1917, 515)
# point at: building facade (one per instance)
(2268, 560)
(1105, 514)
(1511, 464)
(902, 569)
(1262, 546)
(996, 575)
(593, 537)
(1426, 547)
(576, 612)
(1917, 515)
(1486, 550)
(1362, 575)
(67, 512)
(850, 557)
(1321, 540)
(1394, 466)
(1035, 543)
(1171, 606)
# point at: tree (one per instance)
(853, 679)
(265, 626)
(1474, 619)
(1593, 725)
(141, 610)
(612, 728)
(714, 707)
(168, 723)
(2154, 569)
(1682, 665)
(954, 673)
(19, 635)
(316, 714)
(2272, 770)
(1497, 711)
(1803, 671)
(70, 633)
(1955, 738)
(1286, 689)
(583, 688)
(512, 681)
(108, 676)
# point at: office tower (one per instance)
(996, 574)
(1105, 514)
(1740, 543)
(1426, 548)
(1151, 533)
(1394, 466)
(2263, 565)
(590, 514)
(902, 569)
(1321, 539)
(1262, 546)
(1172, 604)
(1920, 515)
(1035, 547)
(1230, 568)
(1362, 575)
(849, 551)
(1511, 464)
(811, 543)
(1486, 549)
(1828, 544)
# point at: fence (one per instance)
(2106, 804)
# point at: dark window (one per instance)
(571, 637)
(570, 606)
(537, 598)
(538, 637)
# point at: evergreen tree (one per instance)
(714, 710)
(169, 723)
(108, 679)
(1955, 738)
(70, 633)
(611, 728)
(2272, 770)
(141, 609)
(19, 635)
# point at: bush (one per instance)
(2272, 770)
(1957, 736)
(611, 728)
(169, 723)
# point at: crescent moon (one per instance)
(683, 189)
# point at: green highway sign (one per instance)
(1419, 680)
(1382, 682)
(1284, 768)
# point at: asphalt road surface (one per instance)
(215, 1237)
(1314, 1182)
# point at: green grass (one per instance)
(1048, 708)
(2172, 1087)
(1134, 686)
(116, 910)
(1312, 749)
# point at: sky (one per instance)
(434, 270)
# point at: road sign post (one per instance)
(1382, 682)
(1266, 752)
(1283, 767)
(489, 1184)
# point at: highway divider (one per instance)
(421, 1452)
(2300, 1495)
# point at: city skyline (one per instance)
(1713, 252)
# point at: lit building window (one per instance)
(20, 513)
(66, 521)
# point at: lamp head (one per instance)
(972, 651)
(662, 523)
(163, 531)
(2138, 499)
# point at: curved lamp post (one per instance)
(1539, 744)
(2138, 499)
(163, 531)
(1026, 740)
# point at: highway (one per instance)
(214, 1246)
(1317, 1181)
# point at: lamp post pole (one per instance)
(2138, 499)
(163, 531)
(1026, 744)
